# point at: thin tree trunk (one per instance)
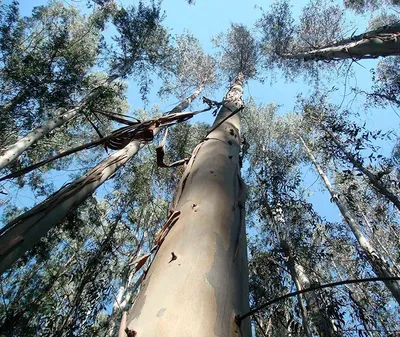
(91, 271)
(301, 281)
(377, 262)
(325, 326)
(380, 42)
(372, 178)
(381, 245)
(125, 291)
(352, 291)
(200, 292)
(26, 230)
(15, 150)
(295, 277)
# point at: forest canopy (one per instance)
(197, 168)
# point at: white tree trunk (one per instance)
(200, 292)
(377, 262)
(380, 42)
(26, 230)
(13, 151)
(371, 177)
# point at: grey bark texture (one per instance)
(377, 262)
(201, 291)
(384, 41)
(26, 230)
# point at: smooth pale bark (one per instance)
(301, 281)
(380, 42)
(376, 261)
(26, 230)
(200, 292)
(371, 177)
(314, 311)
(375, 238)
(278, 222)
(323, 324)
(300, 297)
(15, 150)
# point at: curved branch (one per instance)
(239, 318)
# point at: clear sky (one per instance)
(208, 18)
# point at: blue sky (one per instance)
(208, 18)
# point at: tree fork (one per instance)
(206, 286)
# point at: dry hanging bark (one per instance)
(26, 230)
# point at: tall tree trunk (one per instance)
(295, 277)
(378, 241)
(126, 291)
(200, 291)
(377, 262)
(314, 312)
(276, 218)
(15, 150)
(371, 177)
(26, 230)
(383, 41)
(323, 324)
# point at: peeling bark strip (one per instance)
(376, 261)
(26, 230)
(384, 41)
(160, 150)
(35, 223)
(201, 294)
(119, 138)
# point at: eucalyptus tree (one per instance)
(40, 219)
(374, 257)
(202, 251)
(386, 87)
(239, 51)
(189, 68)
(23, 232)
(319, 36)
(287, 220)
(338, 135)
(320, 23)
(46, 60)
(142, 48)
(34, 292)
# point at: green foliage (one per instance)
(189, 68)
(239, 52)
(142, 41)
(78, 279)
